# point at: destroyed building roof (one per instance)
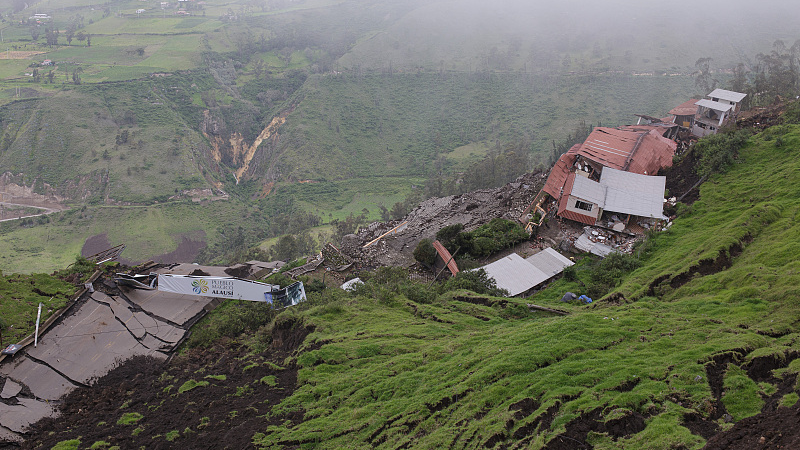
(639, 152)
(514, 274)
(558, 174)
(517, 275)
(447, 258)
(661, 128)
(730, 96)
(630, 193)
(617, 191)
(596, 248)
(687, 108)
(654, 152)
(716, 106)
(588, 190)
(549, 261)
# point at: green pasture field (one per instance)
(147, 231)
(319, 234)
(360, 126)
(446, 373)
(338, 199)
(20, 296)
(469, 154)
(152, 24)
(14, 68)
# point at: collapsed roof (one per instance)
(633, 151)
(640, 150)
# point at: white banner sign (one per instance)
(233, 288)
(222, 287)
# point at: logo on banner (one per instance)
(200, 286)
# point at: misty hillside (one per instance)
(296, 107)
(695, 347)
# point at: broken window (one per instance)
(583, 205)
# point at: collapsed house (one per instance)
(610, 173)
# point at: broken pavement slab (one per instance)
(178, 309)
(100, 331)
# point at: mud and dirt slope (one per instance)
(215, 398)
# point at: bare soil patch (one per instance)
(189, 247)
(19, 54)
(241, 391)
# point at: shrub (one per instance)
(606, 274)
(718, 151)
(449, 236)
(792, 112)
(418, 292)
(191, 384)
(129, 418)
(425, 253)
(477, 281)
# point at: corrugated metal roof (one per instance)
(446, 257)
(685, 109)
(716, 106)
(558, 174)
(514, 274)
(589, 190)
(654, 152)
(631, 193)
(730, 96)
(549, 261)
(634, 151)
(609, 147)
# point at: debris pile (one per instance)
(471, 209)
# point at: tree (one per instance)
(76, 75)
(51, 35)
(50, 76)
(70, 32)
(140, 51)
(35, 32)
(81, 36)
(703, 79)
(258, 68)
(425, 252)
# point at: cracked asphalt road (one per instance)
(102, 330)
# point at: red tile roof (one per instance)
(688, 108)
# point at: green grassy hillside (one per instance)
(123, 142)
(401, 364)
(389, 371)
(394, 125)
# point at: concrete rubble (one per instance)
(470, 209)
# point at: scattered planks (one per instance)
(550, 310)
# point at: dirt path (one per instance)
(45, 211)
